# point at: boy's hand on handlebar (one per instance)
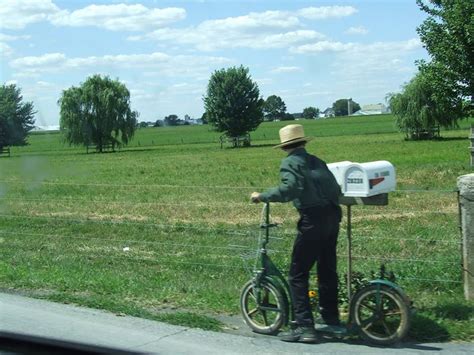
(255, 197)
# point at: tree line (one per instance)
(98, 111)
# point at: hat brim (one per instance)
(293, 141)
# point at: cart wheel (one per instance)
(265, 309)
(380, 314)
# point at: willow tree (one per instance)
(97, 113)
(232, 102)
(427, 101)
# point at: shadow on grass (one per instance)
(263, 145)
(454, 311)
(253, 146)
(426, 329)
(447, 139)
(437, 139)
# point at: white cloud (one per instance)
(254, 20)
(324, 12)
(256, 30)
(378, 63)
(365, 71)
(207, 39)
(283, 40)
(5, 49)
(286, 70)
(323, 46)
(119, 17)
(49, 60)
(264, 81)
(186, 89)
(45, 84)
(17, 14)
(373, 48)
(392, 48)
(315, 93)
(9, 38)
(360, 30)
(160, 62)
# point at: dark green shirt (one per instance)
(305, 180)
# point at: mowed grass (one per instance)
(164, 229)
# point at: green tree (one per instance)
(287, 117)
(422, 104)
(171, 120)
(232, 102)
(340, 107)
(97, 113)
(274, 108)
(448, 35)
(204, 118)
(16, 117)
(310, 113)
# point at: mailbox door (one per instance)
(356, 182)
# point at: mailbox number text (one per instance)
(355, 181)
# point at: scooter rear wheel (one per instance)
(380, 314)
(264, 308)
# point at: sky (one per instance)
(310, 53)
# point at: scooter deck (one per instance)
(338, 331)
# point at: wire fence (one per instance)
(420, 241)
(208, 187)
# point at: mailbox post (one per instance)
(377, 200)
(362, 184)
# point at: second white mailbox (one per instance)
(364, 179)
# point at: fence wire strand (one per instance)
(210, 187)
(246, 252)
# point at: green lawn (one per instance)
(180, 204)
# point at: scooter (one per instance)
(379, 312)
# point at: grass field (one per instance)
(181, 206)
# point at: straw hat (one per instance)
(291, 134)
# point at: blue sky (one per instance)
(310, 53)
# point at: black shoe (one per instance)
(301, 334)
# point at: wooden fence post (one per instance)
(466, 202)
(471, 148)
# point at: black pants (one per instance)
(318, 228)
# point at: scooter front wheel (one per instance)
(264, 308)
(380, 314)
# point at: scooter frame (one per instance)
(268, 278)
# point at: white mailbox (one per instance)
(338, 169)
(364, 179)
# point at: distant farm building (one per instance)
(329, 112)
(45, 128)
(372, 109)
